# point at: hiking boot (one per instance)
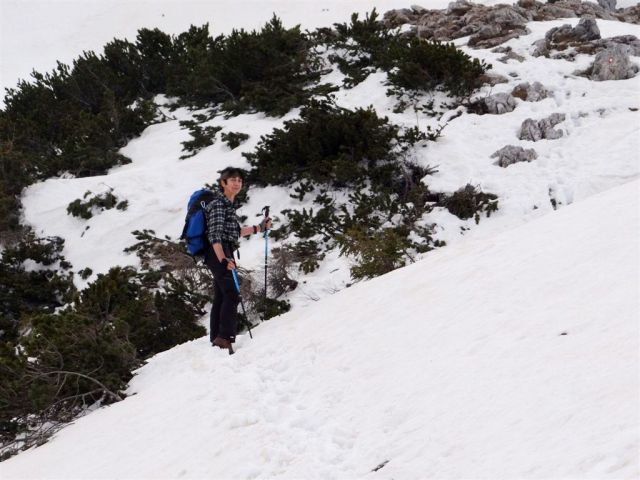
(222, 343)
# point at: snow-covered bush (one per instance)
(412, 64)
(470, 202)
(86, 208)
(234, 139)
(201, 137)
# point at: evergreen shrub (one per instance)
(326, 145)
(360, 155)
(470, 202)
(34, 278)
(61, 351)
(411, 63)
(201, 137)
(234, 139)
(96, 204)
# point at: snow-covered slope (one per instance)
(599, 149)
(510, 357)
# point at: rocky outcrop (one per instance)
(586, 30)
(595, 46)
(496, 104)
(612, 64)
(609, 5)
(491, 78)
(509, 54)
(530, 92)
(563, 37)
(511, 154)
(488, 26)
(533, 130)
(566, 42)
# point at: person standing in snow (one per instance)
(223, 233)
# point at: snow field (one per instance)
(508, 357)
(511, 353)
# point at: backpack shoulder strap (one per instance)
(202, 200)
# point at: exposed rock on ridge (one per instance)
(489, 26)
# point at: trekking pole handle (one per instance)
(265, 211)
(235, 279)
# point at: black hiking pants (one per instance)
(225, 296)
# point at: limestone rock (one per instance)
(511, 154)
(613, 64)
(488, 26)
(499, 103)
(492, 79)
(608, 4)
(542, 129)
(586, 30)
(530, 92)
(459, 7)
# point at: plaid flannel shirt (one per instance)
(222, 221)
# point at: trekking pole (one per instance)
(265, 210)
(246, 318)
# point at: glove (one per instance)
(265, 224)
(225, 263)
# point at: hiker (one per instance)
(223, 233)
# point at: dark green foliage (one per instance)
(155, 51)
(98, 203)
(307, 254)
(76, 118)
(377, 253)
(85, 273)
(411, 63)
(163, 260)
(270, 307)
(469, 202)
(363, 46)
(266, 70)
(201, 137)
(155, 320)
(281, 263)
(363, 156)
(234, 139)
(87, 351)
(73, 119)
(74, 361)
(423, 66)
(23, 291)
(327, 145)
(307, 224)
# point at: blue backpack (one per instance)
(194, 232)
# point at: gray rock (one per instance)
(506, 16)
(493, 79)
(533, 130)
(530, 93)
(491, 25)
(511, 154)
(541, 48)
(630, 40)
(609, 5)
(459, 7)
(586, 30)
(552, 11)
(420, 10)
(511, 56)
(613, 64)
(500, 103)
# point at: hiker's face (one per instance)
(232, 185)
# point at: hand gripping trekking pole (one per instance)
(265, 210)
(247, 322)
